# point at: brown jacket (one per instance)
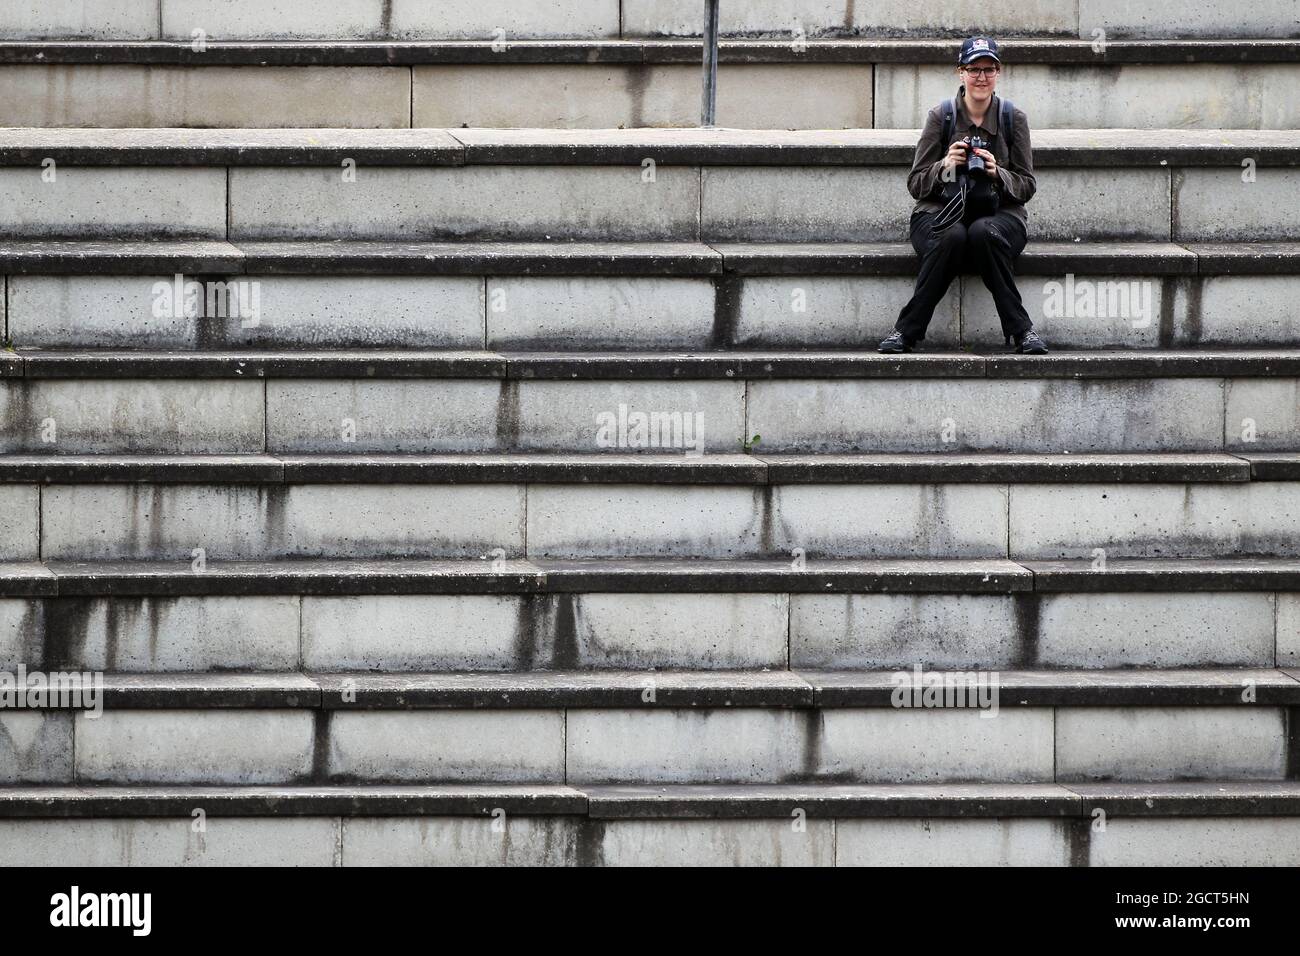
(1015, 170)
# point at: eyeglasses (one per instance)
(980, 71)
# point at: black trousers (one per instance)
(988, 246)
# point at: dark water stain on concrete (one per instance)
(589, 840)
(529, 622)
(1195, 330)
(67, 625)
(320, 751)
(1078, 840)
(726, 310)
(1027, 610)
(636, 81)
(507, 417)
(1170, 286)
(565, 653)
(812, 743)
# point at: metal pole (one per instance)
(709, 109)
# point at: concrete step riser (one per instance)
(575, 841)
(607, 96)
(664, 745)
(346, 416)
(1026, 522)
(760, 204)
(507, 312)
(700, 631)
(610, 19)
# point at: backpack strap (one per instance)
(1007, 121)
(949, 121)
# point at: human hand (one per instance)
(990, 162)
(956, 155)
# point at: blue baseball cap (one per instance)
(977, 48)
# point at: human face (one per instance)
(980, 77)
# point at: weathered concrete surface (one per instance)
(1239, 310)
(128, 95)
(484, 415)
(1288, 630)
(833, 311)
(106, 203)
(587, 416)
(1084, 312)
(591, 202)
(715, 843)
(890, 745)
(1205, 841)
(606, 95)
(404, 19)
(1028, 416)
(899, 630)
(224, 841)
(563, 313)
(1170, 743)
(183, 634)
(76, 19)
(415, 632)
(181, 746)
(112, 522)
(1060, 630)
(1195, 18)
(949, 521)
(1262, 414)
(1088, 96)
(334, 416)
(1156, 630)
(763, 204)
(19, 522)
(122, 415)
(939, 842)
(36, 746)
(1236, 204)
(497, 746)
(489, 633)
(1151, 521)
(684, 746)
(509, 840)
(890, 17)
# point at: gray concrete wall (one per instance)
(1078, 311)
(1241, 742)
(135, 95)
(606, 96)
(1030, 416)
(551, 841)
(1054, 630)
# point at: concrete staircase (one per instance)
(534, 496)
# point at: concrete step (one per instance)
(577, 188)
(651, 728)
(373, 401)
(650, 690)
(517, 615)
(796, 82)
(828, 518)
(489, 19)
(1222, 822)
(630, 296)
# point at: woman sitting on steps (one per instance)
(973, 174)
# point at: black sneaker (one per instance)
(895, 343)
(1031, 344)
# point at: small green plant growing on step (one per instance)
(747, 445)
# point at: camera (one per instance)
(975, 163)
